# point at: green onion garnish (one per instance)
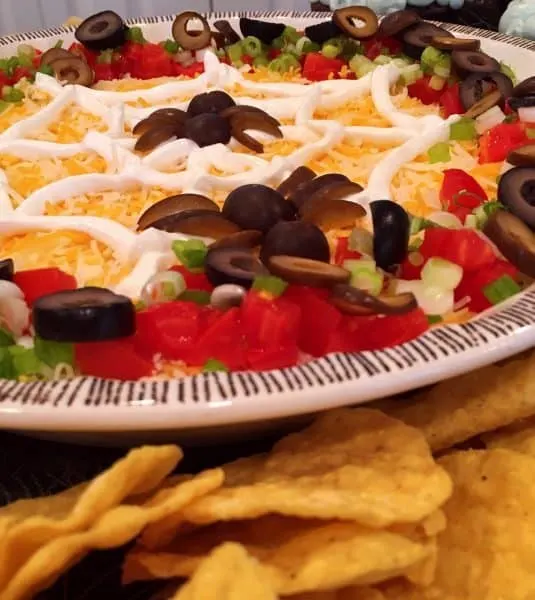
(464, 129)
(58, 44)
(135, 34)
(507, 70)
(261, 61)
(252, 46)
(420, 224)
(235, 52)
(198, 296)
(434, 319)
(269, 284)
(6, 339)
(212, 365)
(290, 34)
(11, 94)
(171, 46)
(191, 253)
(46, 70)
(7, 369)
(501, 289)
(105, 57)
(53, 353)
(439, 152)
(283, 63)
(25, 361)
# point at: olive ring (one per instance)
(191, 40)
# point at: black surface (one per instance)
(30, 468)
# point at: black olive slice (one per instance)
(159, 133)
(191, 40)
(305, 271)
(304, 191)
(417, 38)
(322, 32)
(344, 19)
(210, 102)
(337, 190)
(249, 238)
(198, 222)
(493, 98)
(207, 129)
(7, 269)
(53, 54)
(477, 85)
(232, 265)
(516, 191)
(523, 156)
(73, 70)
(473, 61)
(398, 21)
(524, 88)
(173, 205)
(442, 42)
(294, 180)
(514, 239)
(352, 301)
(232, 111)
(391, 228)
(523, 102)
(265, 31)
(331, 214)
(164, 116)
(84, 315)
(242, 121)
(101, 31)
(295, 238)
(256, 206)
(224, 27)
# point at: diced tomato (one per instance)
(194, 281)
(450, 101)
(463, 247)
(343, 252)
(120, 65)
(81, 50)
(422, 90)
(191, 71)
(246, 59)
(114, 359)
(357, 334)
(410, 271)
(35, 283)
(496, 143)
(104, 72)
(273, 53)
(4, 79)
(319, 318)
(21, 73)
(266, 359)
(460, 193)
(474, 282)
(374, 46)
(170, 329)
(319, 68)
(155, 62)
(133, 56)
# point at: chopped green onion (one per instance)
(213, 365)
(382, 59)
(6, 339)
(360, 240)
(164, 286)
(25, 361)
(135, 34)
(464, 129)
(278, 43)
(11, 94)
(274, 286)
(501, 289)
(7, 369)
(352, 264)
(491, 207)
(261, 61)
(434, 319)
(191, 253)
(420, 224)
(441, 273)
(507, 70)
(410, 74)
(330, 51)
(431, 57)
(437, 83)
(53, 353)
(440, 152)
(291, 34)
(471, 222)
(401, 63)
(361, 66)
(350, 47)
(105, 57)
(235, 52)
(170, 46)
(364, 275)
(443, 67)
(58, 44)
(252, 46)
(26, 50)
(307, 47)
(46, 70)
(197, 296)
(530, 132)
(8, 65)
(283, 63)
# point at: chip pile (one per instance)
(355, 507)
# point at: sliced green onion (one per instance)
(191, 253)
(330, 51)
(434, 319)
(7, 368)
(212, 365)
(306, 47)
(25, 60)
(135, 34)
(360, 240)
(356, 264)
(105, 57)
(261, 61)
(501, 289)
(350, 48)
(58, 44)
(6, 339)
(464, 129)
(507, 70)
(439, 152)
(471, 222)
(25, 361)
(274, 286)
(8, 65)
(361, 66)
(491, 207)
(165, 286)
(431, 57)
(291, 34)
(252, 46)
(46, 70)
(442, 273)
(401, 63)
(420, 224)
(364, 275)
(382, 59)
(197, 296)
(11, 94)
(411, 74)
(53, 353)
(170, 46)
(283, 63)
(443, 67)
(278, 43)
(446, 219)
(235, 52)
(437, 83)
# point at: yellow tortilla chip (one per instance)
(297, 555)
(456, 410)
(228, 573)
(350, 593)
(358, 465)
(33, 523)
(115, 528)
(519, 436)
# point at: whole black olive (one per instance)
(391, 229)
(265, 31)
(295, 238)
(207, 129)
(210, 102)
(322, 32)
(255, 206)
(516, 191)
(232, 265)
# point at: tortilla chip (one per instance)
(115, 528)
(228, 573)
(519, 436)
(458, 409)
(297, 555)
(350, 593)
(35, 522)
(358, 465)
